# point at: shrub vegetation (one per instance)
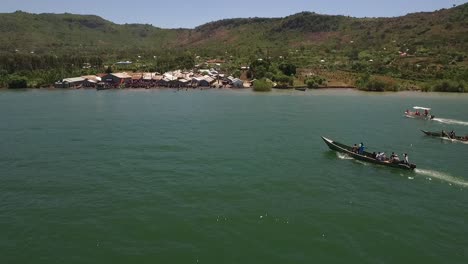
(262, 85)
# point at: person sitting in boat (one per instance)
(355, 149)
(394, 158)
(384, 157)
(361, 148)
(374, 155)
(426, 112)
(378, 156)
(417, 113)
(407, 112)
(381, 156)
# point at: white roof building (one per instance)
(74, 79)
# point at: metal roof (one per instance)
(209, 79)
(74, 79)
(121, 75)
(92, 77)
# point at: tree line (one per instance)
(35, 71)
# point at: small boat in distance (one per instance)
(446, 135)
(303, 89)
(365, 156)
(420, 113)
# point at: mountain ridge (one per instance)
(58, 27)
(240, 18)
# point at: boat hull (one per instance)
(366, 156)
(422, 117)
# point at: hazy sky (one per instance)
(191, 13)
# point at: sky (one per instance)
(192, 13)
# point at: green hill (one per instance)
(61, 33)
(432, 42)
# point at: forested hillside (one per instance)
(417, 46)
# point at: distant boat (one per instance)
(443, 134)
(301, 89)
(426, 115)
(366, 156)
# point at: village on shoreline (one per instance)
(213, 74)
(199, 78)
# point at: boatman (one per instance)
(406, 160)
(452, 134)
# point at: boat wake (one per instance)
(451, 121)
(442, 176)
(343, 156)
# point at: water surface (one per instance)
(157, 176)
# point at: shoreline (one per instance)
(288, 91)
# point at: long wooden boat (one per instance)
(445, 135)
(366, 156)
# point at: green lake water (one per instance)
(157, 176)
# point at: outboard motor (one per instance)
(432, 117)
